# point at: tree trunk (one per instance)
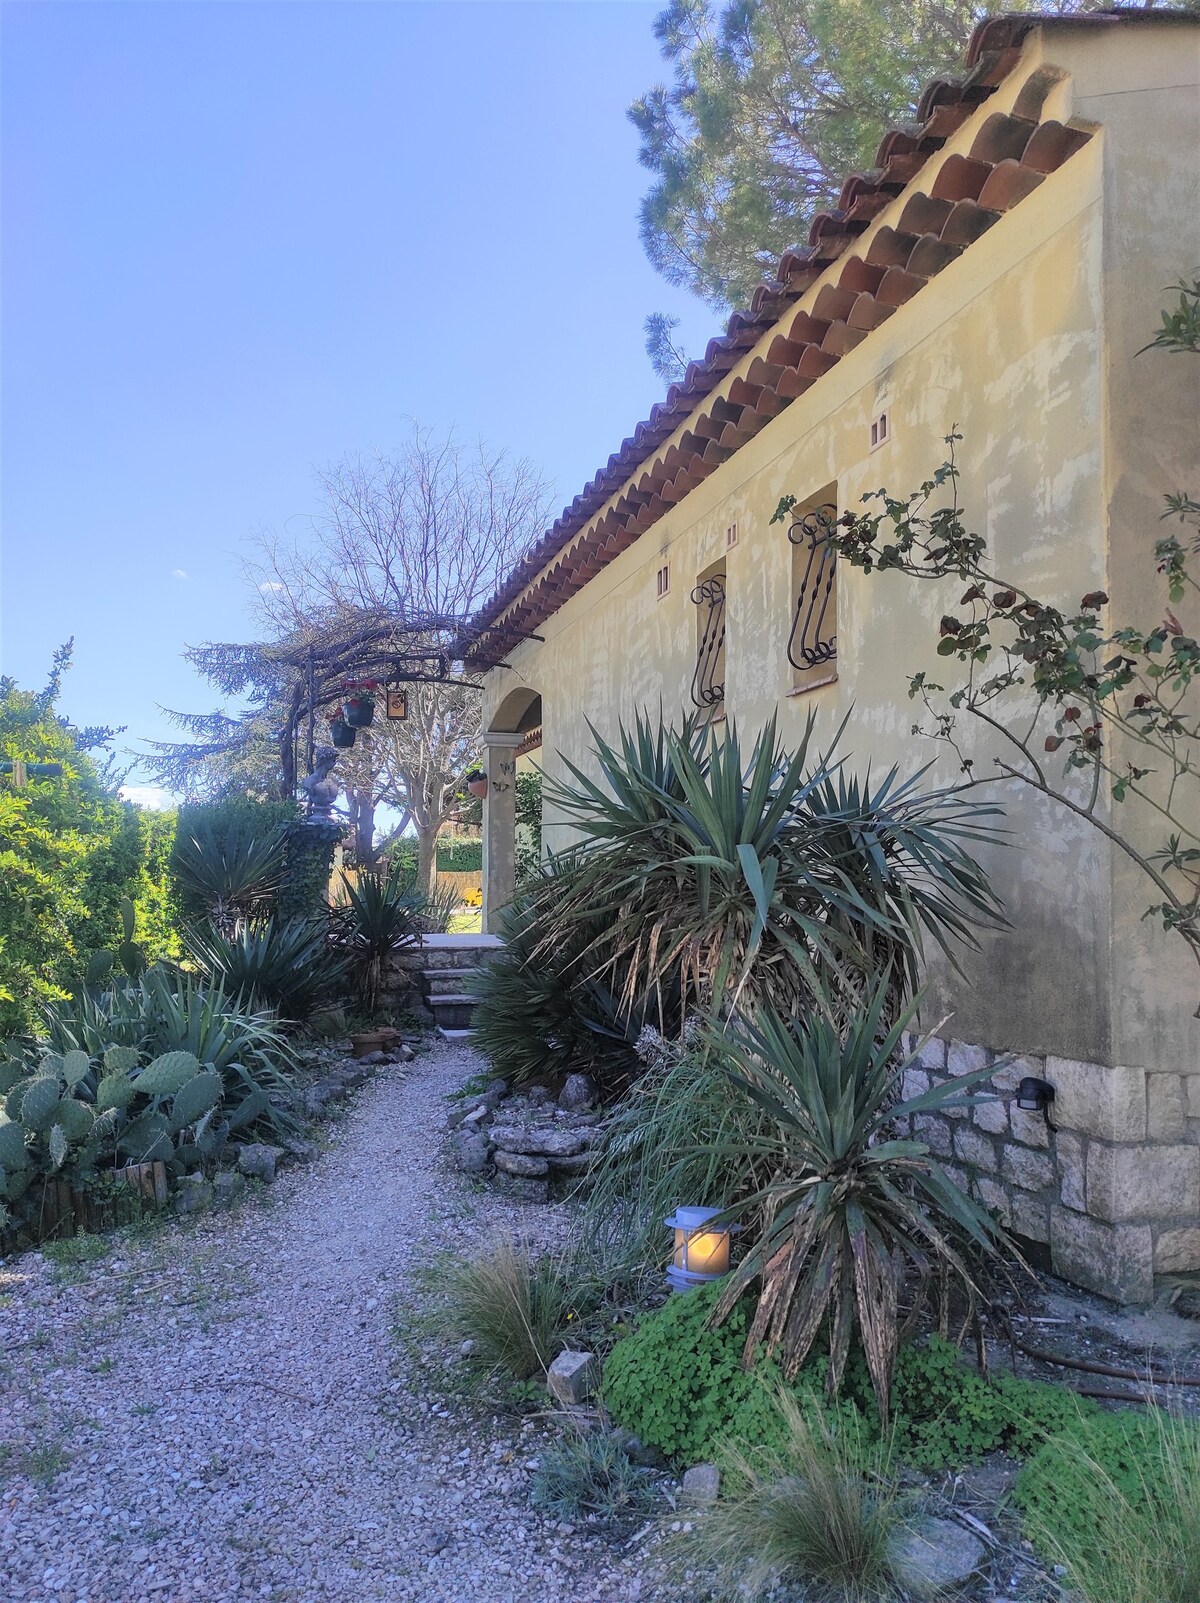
(427, 834)
(362, 816)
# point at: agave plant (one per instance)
(852, 1208)
(288, 966)
(383, 914)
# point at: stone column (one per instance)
(499, 824)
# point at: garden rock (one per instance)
(517, 1163)
(579, 1164)
(227, 1185)
(497, 1088)
(352, 1074)
(578, 1094)
(538, 1095)
(523, 1190)
(572, 1377)
(935, 1557)
(702, 1483)
(539, 1141)
(637, 1451)
(471, 1152)
(258, 1162)
(194, 1194)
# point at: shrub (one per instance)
(228, 860)
(1115, 1499)
(516, 1308)
(460, 856)
(821, 1506)
(588, 1472)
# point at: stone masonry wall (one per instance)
(1113, 1191)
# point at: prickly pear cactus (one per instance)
(167, 1074)
(115, 1091)
(194, 1099)
(147, 1139)
(76, 1066)
(121, 1059)
(39, 1102)
(13, 1153)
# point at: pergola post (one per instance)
(499, 824)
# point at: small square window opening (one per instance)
(880, 431)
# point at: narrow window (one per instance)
(708, 680)
(812, 645)
(662, 581)
(731, 536)
(879, 431)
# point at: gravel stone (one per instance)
(220, 1411)
(258, 1161)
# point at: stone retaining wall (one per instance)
(1113, 1191)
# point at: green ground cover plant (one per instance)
(679, 1384)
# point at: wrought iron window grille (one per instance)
(707, 689)
(813, 640)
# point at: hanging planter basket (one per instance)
(342, 734)
(477, 782)
(359, 710)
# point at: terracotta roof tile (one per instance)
(1009, 157)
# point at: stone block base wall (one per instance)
(1113, 1191)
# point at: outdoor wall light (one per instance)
(1035, 1096)
(701, 1248)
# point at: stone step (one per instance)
(446, 981)
(453, 1012)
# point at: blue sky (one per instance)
(242, 240)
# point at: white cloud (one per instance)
(270, 587)
(180, 573)
(154, 797)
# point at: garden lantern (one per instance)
(701, 1248)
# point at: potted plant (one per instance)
(341, 733)
(358, 707)
(477, 782)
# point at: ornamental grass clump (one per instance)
(822, 1508)
(1115, 1500)
(853, 1211)
(588, 1472)
(515, 1308)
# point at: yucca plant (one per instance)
(758, 876)
(852, 1208)
(228, 872)
(382, 916)
(287, 966)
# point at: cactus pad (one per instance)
(121, 1059)
(76, 1065)
(115, 1091)
(12, 1146)
(167, 1073)
(196, 1098)
(40, 1101)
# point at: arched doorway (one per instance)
(515, 728)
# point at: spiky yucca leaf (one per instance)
(851, 1206)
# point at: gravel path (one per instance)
(222, 1411)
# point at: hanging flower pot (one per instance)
(359, 710)
(341, 733)
(477, 782)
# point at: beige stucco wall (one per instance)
(1025, 343)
